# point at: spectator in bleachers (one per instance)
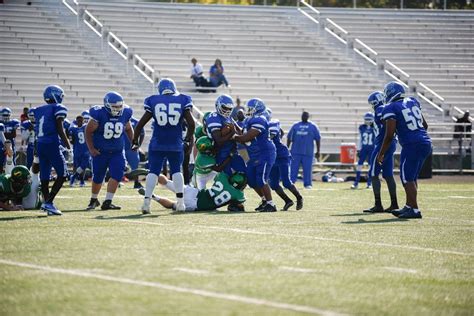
(197, 74)
(300, 140)
(463, 128)
(216, 74)
(24, 115)
(237, 109)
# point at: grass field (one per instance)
(329, 258)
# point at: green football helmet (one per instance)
(238, 180)
(204, 145)
(20, 177)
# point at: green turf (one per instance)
(329, 256)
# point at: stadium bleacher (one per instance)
(273, 53)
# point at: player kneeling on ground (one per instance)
(226, 190)
(14, 188)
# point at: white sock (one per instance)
(417, 210)
(109, 196)
(151, 180)
(178, 181)
(271, 202)
(94, 196)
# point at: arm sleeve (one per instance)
(94, 113)
(147, 106)
(257, 124)
(317, 135)
(213, 124)
(388, 113)
(187, 103)
(60, 111)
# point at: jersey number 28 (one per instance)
(222, 196)
(413, 118)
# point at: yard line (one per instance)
(192, 271)
(369, 243)
(403, 270)
(173, 288)
(293, 269)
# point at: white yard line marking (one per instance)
(180, 289)
(402, 270)
(191, 271)
(369, 243)
(460, 197)
(293, 269)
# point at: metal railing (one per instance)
(388, 67)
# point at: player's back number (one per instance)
(167, 114)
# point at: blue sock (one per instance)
(356, 182)
(369, 181)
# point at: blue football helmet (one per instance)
(267, 114)
(393, 91)
(113, 103)
(166, 86)
(86, 116)
(255, 106)
(369, 118)
(6, 114)
(376, 99)
(31, 115)
(53, 94)
(224, 105)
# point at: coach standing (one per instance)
(301, 139)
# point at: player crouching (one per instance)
(14, 188)
(226, 190)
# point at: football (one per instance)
(227, 129)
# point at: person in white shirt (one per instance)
(197, 74)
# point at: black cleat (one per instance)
(375, 209)
(261, 206)
(399, 212)
(138, 185)
(236, 208)
(107, 205)
(391, 208)
(93, 204)
(141, 191)
(269, 208)
(287, 205)
(299, 204)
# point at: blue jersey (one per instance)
(215, 122)
(275, 134)
(366, 136)
(11, 126)
(45, 122)
(302, 136)
(108, 137)
(168, 112)
(241, 124)
(78, 135)
(128, 145)
(29, 126)
(261, 146)
(2, 130)
(407, 113)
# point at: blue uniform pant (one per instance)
(30, 150)
(157, 157)
(237, 164)
(387, 165)
(258, 173)
(412, 158)
(82, 160)
(307, 162)
(50, 155)
(115, 162)
(281, 172)
(133, 158)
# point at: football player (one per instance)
(402, 115)
(376, 100)
(226, 190)
(14, 187)
(81, 155)
(215, 124)
(365, 148)
(262, 153)
(104, 138)
(11, 125)
(281, 168)
(28, 136)
(50, 132)
(3, 147)
(133, 156)
(168, 109)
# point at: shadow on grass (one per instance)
(378, 221)
(7, 219)
(133, 216)
(351, 214)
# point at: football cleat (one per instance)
(180, 206)
(299, 204)
(369, 186)
(269, 208)
(107, 205)
(287, 205)
(400, 211)
(410, 213)
(50, 209)
(375, 209)
(137, 185)
(260, 206)
(93, 204)
(146, 206)
(354, 186)
(391, 208)
(236, 208)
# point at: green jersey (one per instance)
(203, 163)
(220, 194)
(6, 191)
(199, 132)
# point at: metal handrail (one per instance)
(70, 7)
(144, 69)
(121, 48)
(92, 22)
